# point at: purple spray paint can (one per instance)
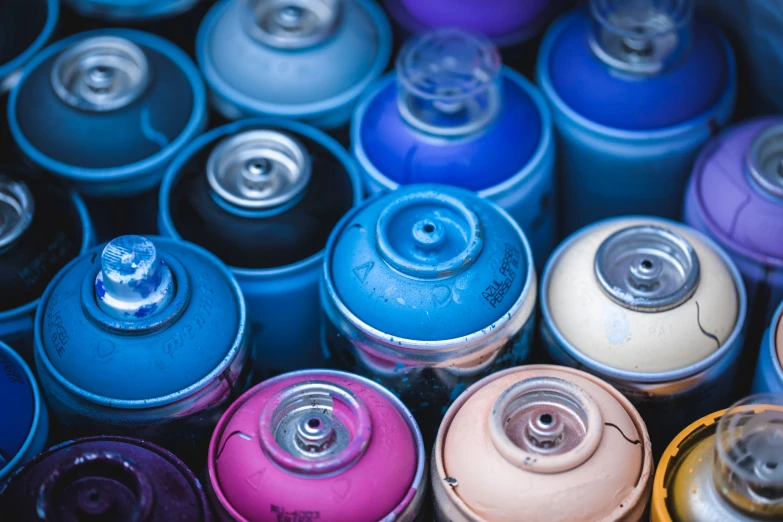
(113, 479)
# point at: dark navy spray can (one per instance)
(453, 114)
(769, 368)
(130, 10)
(736, 196)
(27, 27)
(23, 415)
(636, 88)
(143, 337)
(105, 478)
(426, 290)
(308, 60)
(42, 227)
(106, 111)
(655, 308)
(263, 195)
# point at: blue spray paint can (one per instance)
(124, 102)
(25, 423)
(27, 27)
(130, 10)
(427, 289)
(769, 368)
(263, 195)
(636, 88)
(308, 60)
(655, 308)
(143, 337)
(42, 227)
(453, 114)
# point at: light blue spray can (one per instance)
(307, 60)
(636, 87)
(130, 10)
(263, 195)
(124, 102)
(145, 337)
(25, 422)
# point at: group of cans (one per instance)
(340, 291)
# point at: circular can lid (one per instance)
(428, 263)
(744, 210)
(126, 10)
(521, 442)
(649, 66)
(106, 478)
(320, 438)
(139, 319)
(17, 403)
(664, 318)
(27, 27)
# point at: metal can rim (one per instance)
(177, 7)
(18, 62)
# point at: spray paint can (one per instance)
(726, 466)
(263, 195)
(655, 308)
(736, 197)
(426, 290)
(143, 337)
(24, 416)
(130, 10)
(769, 368)
(636, 88)
(453, 114)
(27, 27)
(42, 227)
(105, 478)
(527, 444)
(125, 103)
(317, 445)
(307, 60)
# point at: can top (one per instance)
(17, 404)
(16, 210)
(738, 189)
(27, 28)
(525, 441)
(505, 21)
(650, 65)
(428, 263)
(642, 295)
(749, 455)
(449, 82)
(259, 169)
(292, 57)
(130, 10)
(106, 478)
(139, 96)
(319, 438)
(140, 321)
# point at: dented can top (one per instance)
(738, 182)
(20, 407)
(528, 442)
(317, 441)
(651, 65)
(27, 27)
(106, 478)
(643, 296)
(140, 321)
(428, 263)
(130, 10)
(292, 58)
(140, 97)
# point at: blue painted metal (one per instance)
(280, 286)
(318, 84)
(27, 27)
(25, 424)
(769, 373)
(130, 10)
(628, 140)
(164, 376)
(508, 160)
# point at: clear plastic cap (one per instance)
(765, 160)
(641, 36)
(748, 468)
(449, 82)
(291, 24)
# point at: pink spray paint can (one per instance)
(317, 445)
